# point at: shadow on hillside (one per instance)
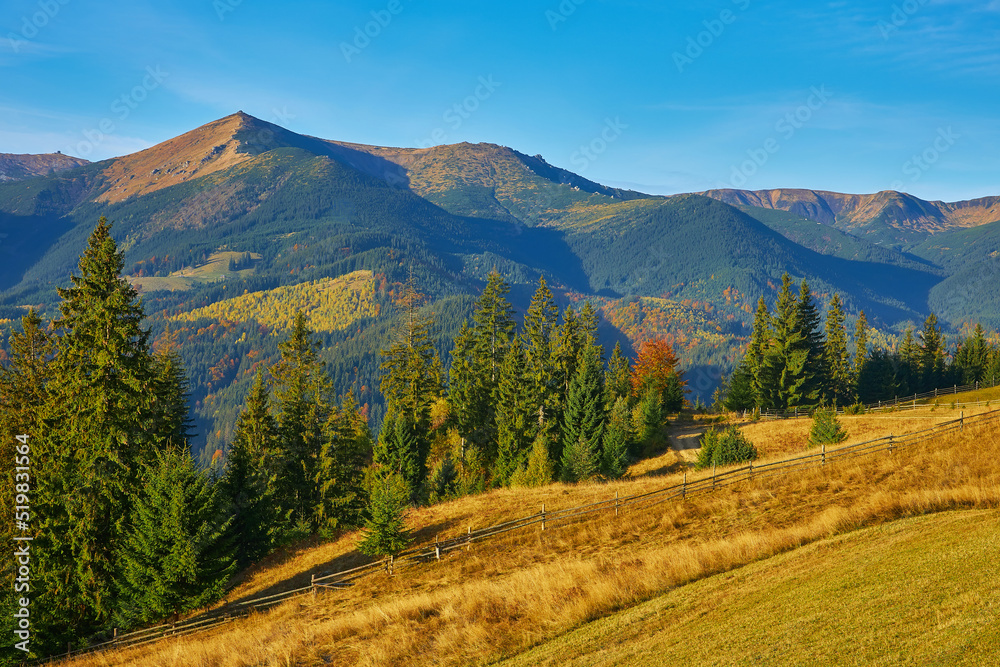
(424, 535)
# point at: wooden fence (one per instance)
(908, 402)
(706, 482)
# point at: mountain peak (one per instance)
(200, 152)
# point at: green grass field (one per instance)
(920, 591)
(216, 268)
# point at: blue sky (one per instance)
(663, 97)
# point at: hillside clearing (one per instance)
(914, 591)
(499, 598)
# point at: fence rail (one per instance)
(908, 402)
(432, 551)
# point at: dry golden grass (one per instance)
(499, 598)
(789, 436)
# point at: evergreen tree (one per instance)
(302, 390)
(617, 440)
(175, 556)
(860, 345)
(412, 379)
(172, 422)
(826, 429)
(973, 357)
(338, 478)
(515, 431)
(932, 345)
(836, 356)
(583, 426)
(396, 450)
(908, 372)
(476, 360)
(541, 372)
(385, 532)
(741, 393)
(757, 370)
(787, 365)
(247, 483)
(808, 319)
(650, 419)
(96, 439)
(619, 377)
(539, 470)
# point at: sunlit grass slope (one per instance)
(498, 599)
(915, 591)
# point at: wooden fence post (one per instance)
(824, 455)
(437, 547)
(684, 487)
(890, 443)
(751, 470)
(543, 516)
(312, 582)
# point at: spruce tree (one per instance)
(760, 339)
(817, 374)
(617, 440)
(302, 391)
(172, 422)
(836, 357)
(396, 449)
(247, 483)
(973, 357)
(97, 437)
(476, 359)
(515, 430)
(338, 479)
(860, 347)
(908, 375)
(385, 532)
(932, 347)
(541, 371)
(619, 377)
(412, 378)
(826, 429)
(787, 367)
(175, 556)
(583, 425)
(539, 470)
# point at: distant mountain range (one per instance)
(893, 217)
(240, 205)
(14, 167)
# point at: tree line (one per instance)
(796, 360)
(128, 529)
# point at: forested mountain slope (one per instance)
(240, 206)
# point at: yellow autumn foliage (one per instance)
(329, 304)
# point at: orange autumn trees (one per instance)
(657, 372)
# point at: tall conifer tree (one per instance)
(248, 481)
(583, 421)
(835, 355)
(98, 437)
